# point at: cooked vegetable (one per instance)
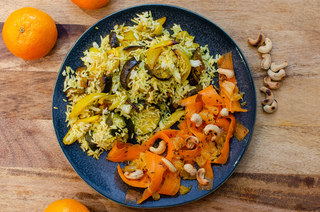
(184, 189)
(133, 47)
(126, 70)
(113, 40)
(106, 84)
(159, 78)
(73, 133)
(84, 103)
(185, 65)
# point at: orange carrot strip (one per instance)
(171, 183)
(196, 131)
(188, 101)
(225, 61)
(210, 96)
(222, 159)
(141, 183)
(207, 166)
(193, 108)
(223, 122)
(155, 171)
(213, 109)
(132, 152)
(189, 155)
(207, 116)
(117, 151)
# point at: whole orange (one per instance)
(90, 4)
(66, 205)
(29, 33)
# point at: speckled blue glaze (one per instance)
(101, 174)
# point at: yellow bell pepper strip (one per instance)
(129, 36)
(141, 183)
(120, 153)
(84, 103)
(155, 169)
(158, 28)
(222, 159)
(171, 183)
(185, 65)
(83, 124)
(152, 56)
(176, 116)
(162, 20)
(165, 43)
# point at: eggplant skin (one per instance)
(106, 82)
(155, 76)
(113, 40)
(125, 73)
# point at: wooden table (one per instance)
(281, 168)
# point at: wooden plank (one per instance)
(26, 95)
(249, 192)
(30, 143)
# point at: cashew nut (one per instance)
(272, 85)
(269, 95)
(201, 177)
(212, 129)
(266, 61)
(271, 108)
(170, 166)
(160, 149)
(135, 175)
(258, 41)
(224, 112)
(228, 72)
(190, 169)
(196, 118)
(266, 48)
(191, 141)
(277, 76)
(276, 68)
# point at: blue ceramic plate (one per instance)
(101, 174)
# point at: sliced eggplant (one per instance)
(197, 71)
(106, 84)
(91, 145)
(172, 106)
(133, 47)
(133, 105)
(113, 40)
(126, 70)
(151, 73)
(116, 118)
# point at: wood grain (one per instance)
(280, 170)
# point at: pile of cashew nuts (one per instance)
(275, 73)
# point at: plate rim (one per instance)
(240, 53)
